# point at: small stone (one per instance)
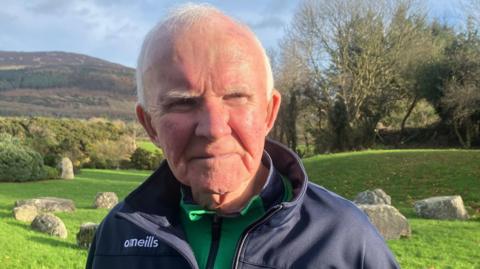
(85, 234)
(49, 224)
(67, 169)
(388, 220)
(441, 207)
(49, 204)
(105, 200)
(377, 196)
(25, 212)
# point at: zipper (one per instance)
(250, 228)
(216, 231)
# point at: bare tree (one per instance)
(351, 55)
(471, 9)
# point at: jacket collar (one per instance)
(289, 165)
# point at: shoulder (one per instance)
(110, 224)
(339, 217)
(114, 230)
(331, 206)
(354, 234)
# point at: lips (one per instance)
(209, 156)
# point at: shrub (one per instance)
(18, 162)
(51, 159)
(52, 172)
(110, 154)
(145, 160)
(76, 139)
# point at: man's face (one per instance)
(209, 110)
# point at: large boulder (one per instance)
(105, 200)
(441, 207)
(49, 204)
(85, 234)
(25, 212)
(49, 224)
(377, 196)
(67, 168)
(388, 220)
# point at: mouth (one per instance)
(208, 156)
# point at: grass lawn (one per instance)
(405, 175)
(148, 145)
(409, 175)
(20, 247)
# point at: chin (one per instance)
(220, 185)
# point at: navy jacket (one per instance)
(317, 229)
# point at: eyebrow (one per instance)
(184, 93)
(179, 93)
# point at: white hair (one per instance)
(182, 17)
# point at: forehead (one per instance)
(216, 51)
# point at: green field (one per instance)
(409, 175)
(147, 144)
(405, 175)
(22, 248)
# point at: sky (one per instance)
(113, 30)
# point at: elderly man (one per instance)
(225, 197)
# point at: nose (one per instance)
(212, 121)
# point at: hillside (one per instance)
(64, 84)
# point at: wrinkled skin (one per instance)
(208, 110)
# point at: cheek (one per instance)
(173, 136)
(250, 128)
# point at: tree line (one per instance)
(345, 67)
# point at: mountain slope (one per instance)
(64, 84)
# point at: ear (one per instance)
(146, 121)
(272, 110)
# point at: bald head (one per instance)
(187, 29)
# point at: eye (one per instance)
(237, 98)
(181, 104)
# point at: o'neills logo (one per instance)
(148, 242)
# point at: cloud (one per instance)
(270, 22)
(277, 6)
(49, 7)
(114, 29)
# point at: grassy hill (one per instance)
(405, 175)
(64, 84)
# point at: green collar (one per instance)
(195, 211)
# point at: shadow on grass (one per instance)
(5, 211)
(5, 214)
(23, 225)
(52, 242)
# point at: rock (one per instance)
(388, 220)
(25, 212)
(105, 200)
(85, 234)
(49, 224)
(377, 196)
(67, 168)
(49, 204)
(441, 207)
